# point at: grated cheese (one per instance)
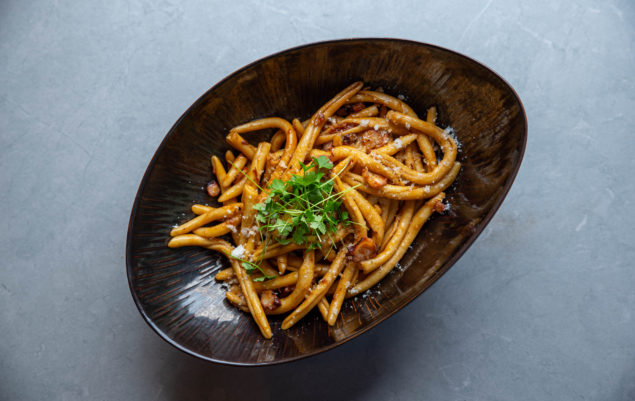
(451, 133)
(238, 252)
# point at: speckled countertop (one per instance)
(542, 307)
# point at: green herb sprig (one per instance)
(253, 267)
(304, 206)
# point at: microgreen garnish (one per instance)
(306, 205)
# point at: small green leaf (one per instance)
(303, 206)
(249, 267)
(278, 185)
(299, 235)
(323, 162)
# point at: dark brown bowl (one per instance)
(175, 289)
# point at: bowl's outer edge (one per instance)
(465, 246)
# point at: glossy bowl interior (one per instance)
(175, 289)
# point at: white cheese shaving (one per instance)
(248, 232)
(238, 252)
(451, 133)
(232, 228)
(398, 143)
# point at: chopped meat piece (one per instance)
(374, 180)
(349, 139)
(357, 107)
(439, 206)
(269, 300)
(213, 189)
(364, 249)
(372, 139)
(349, 108)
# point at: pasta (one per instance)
(326, 208)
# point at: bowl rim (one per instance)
(408, 301)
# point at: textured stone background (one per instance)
(540, 308)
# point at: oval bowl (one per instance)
(175, 289)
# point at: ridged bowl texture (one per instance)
(175, 289)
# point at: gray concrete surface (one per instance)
(542, 307)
